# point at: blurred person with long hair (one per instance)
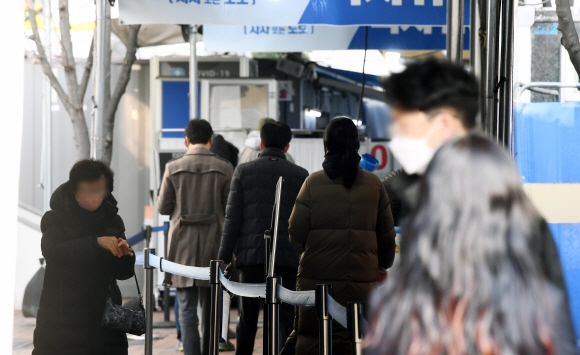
(343, 221)
(469, 281)
(433, 101)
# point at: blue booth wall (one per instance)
(547, 147)
(175, 106)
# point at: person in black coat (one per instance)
(84, 244)
(249, 215)
(224, 149)
(403, 191)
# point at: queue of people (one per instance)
(479, 270)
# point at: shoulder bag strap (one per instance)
(139, 292)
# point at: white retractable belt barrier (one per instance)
(244, 290)
(297, 298)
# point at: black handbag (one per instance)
(126, 319)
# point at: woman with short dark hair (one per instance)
(470, 281)
(343, 220)
(84, 244)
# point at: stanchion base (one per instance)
(164, 324)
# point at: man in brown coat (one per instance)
(194, 193)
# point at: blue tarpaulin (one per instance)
(547, 135)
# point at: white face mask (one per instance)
(414, 154)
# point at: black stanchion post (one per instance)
(267, 249)
(166, 323)
(324, 320)
(148, 233)
(354, 316)
(215, 316)
(149, 300)
(272, 333)
(166, 303)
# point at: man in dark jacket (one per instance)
(433, 101)
(249, 215)
(402, 190)
(224, 149)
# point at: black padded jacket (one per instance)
(249, 210)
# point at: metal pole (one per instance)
(100, 77)
(475, 51)
(215, 316)
(166, 323)
(148, 301)
(148, 233)
(272, 332)
(474, 45)
(324, 320)
(490, 73)
(193, 72)
(166, 295)
(47, 113)
(455, 31)
(268, 250)
(354, 315)
(275, 231)
(505, 127)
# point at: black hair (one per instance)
(468, 281)
(90, 170)
(198, 131)
(341, 138)
(275, 134)
(430, 84)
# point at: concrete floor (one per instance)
(165, 344)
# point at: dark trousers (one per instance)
(188, 299)
(176, 309)
(250, 308)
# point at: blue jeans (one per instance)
(188, 299)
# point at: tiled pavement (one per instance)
(165, 345)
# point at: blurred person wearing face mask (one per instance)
(431, 102)
(86, 252)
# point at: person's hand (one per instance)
(124, 247)
(111, 244)
(226, 270)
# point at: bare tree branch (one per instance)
(81, 133)
(82, 90)
(570, 39)
(41, 55)
(120, 88)
(67, 57)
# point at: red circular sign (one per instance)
(384, 156)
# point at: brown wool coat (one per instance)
(194, 192)
(347, 234)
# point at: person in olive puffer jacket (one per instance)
(343, 221)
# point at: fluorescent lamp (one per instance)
(313, 113)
